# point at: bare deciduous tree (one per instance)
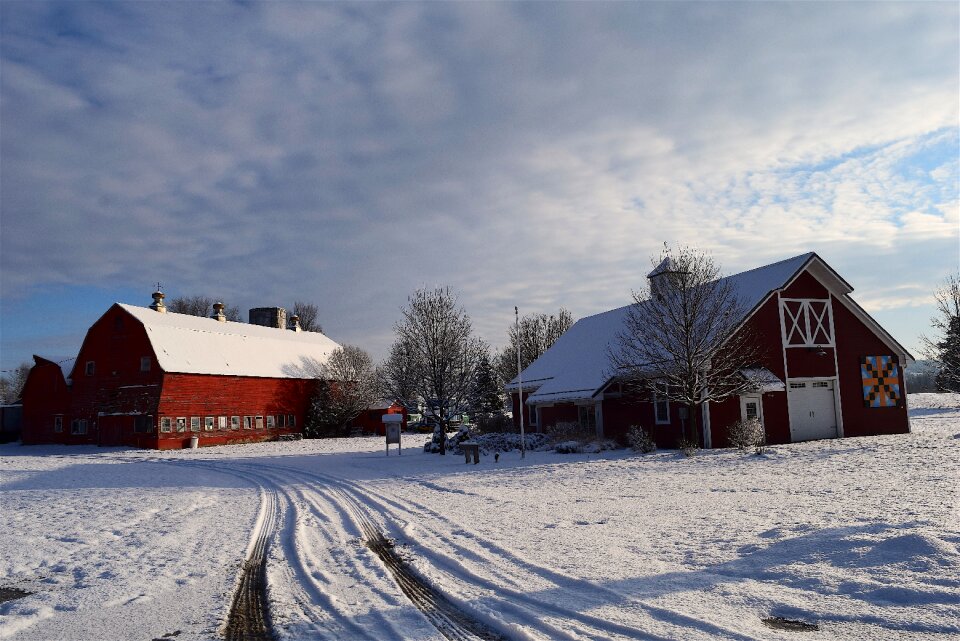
(397, 377)
(443, 355)
(201, 306)
(12, 382)
(346, 386)
(683, 338)
(309, 314)
(537, 333)
(945, 349)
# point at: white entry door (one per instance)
(813, 410)
(751, 406)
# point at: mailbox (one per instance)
(391, 425)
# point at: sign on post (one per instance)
(392, 424)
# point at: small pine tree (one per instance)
(948, 378)
(321, 421)
(486, 400)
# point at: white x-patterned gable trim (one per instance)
(807, 322)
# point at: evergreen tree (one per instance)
(946, 350)
(486, 399)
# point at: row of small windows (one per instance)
(210, 423)
(90, 367)
(77, 425)
(144, 424)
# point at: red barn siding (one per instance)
(45, 395)
(855, 340)
(202, 395)
(806, 286)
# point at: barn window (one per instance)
(143, 424)
(291, 420)
(181, 423)
(248, 422)
(281, 420)
(78, 426)
(58, 424)
(90, 368)
(208, 423)
(194, 423)
(222, 422)
(532, 414)
(588, 417)
(661, 406)
(234, 422)
(806, 322)
(144, 363)
(271, 422)
(166, 424)
(259, 422)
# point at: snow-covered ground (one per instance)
(858, 536)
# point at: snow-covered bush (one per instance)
(746, 432)
(640, 440)
(687, 447)
(490, 443)
(494, 424)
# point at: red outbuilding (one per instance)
(827, 370)
(371, 421)
(148, 378)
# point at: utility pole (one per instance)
(523, 438)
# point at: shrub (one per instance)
(640, 440)
(746, 433)
(494, 424)
(688, 447)
(565, 431)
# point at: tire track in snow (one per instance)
(248, 618)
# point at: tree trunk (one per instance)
(694, 424)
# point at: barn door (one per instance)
(111, 430)
(813, 410)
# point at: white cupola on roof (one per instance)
(666, 276)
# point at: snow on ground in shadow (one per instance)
(859, 536)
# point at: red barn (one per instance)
(148, 378)
(829, 370)
(371, 420)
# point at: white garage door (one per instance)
(813, 410)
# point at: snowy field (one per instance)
(860, 537)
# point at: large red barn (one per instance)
(828, 369)
(148, 378)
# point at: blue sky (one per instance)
(530, 154)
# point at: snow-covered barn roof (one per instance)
(577, 365)
(196, 345)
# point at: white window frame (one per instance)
(660, 418)
(807, 324)
(194, 423)
(166, 424)
(247, 422)
(271, 421)
(234, 422)
(181, 424)
(222, 422)
(78, 427)
(208, 423)
(291, 420)
(259, 422)
(58, 423)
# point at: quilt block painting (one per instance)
(881, 381)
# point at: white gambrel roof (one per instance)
(196, 345)
(577, 365)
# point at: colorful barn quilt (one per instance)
(881, 381)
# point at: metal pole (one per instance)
(523, 438)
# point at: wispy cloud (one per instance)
(520, 152)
